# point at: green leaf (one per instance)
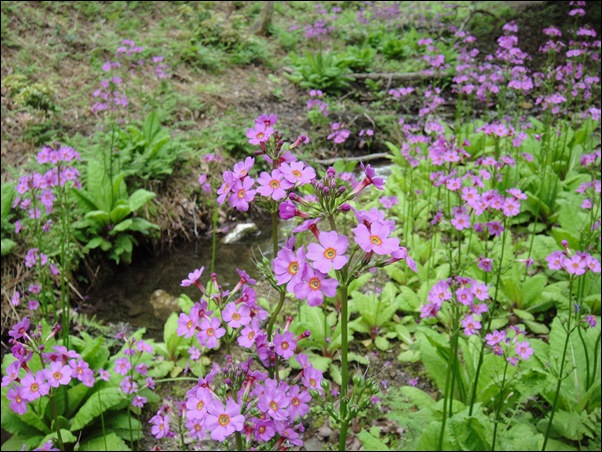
(139, 198)
(417, 396)
(7, 246)
(112, 440)
(358, 358)
(121, 227)
(120, 424)
(371, 442)
(95, 353)
(119, 212)
(105, 399)
(66, 436)
(16, 442)
(382, 343)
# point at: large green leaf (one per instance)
(110, 441)
(105, 399)
(139, 198)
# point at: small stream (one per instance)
(129, 293)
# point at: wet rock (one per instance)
(325, 431)
(163, 304)
(313, 444)
(240, 232)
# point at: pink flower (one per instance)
(298, 173)
(495, 337)
(471, 325)
(34, 387)
(273, 402)
(241, 169)
(314, 286)
(289, 266)
(242, 194)
(268, 120)
(273, 185)
(223, 421)
(376, 239)
(523, 350)
(236, 315)
(369, 179)
(248, 334)
(260, 134)
(122, 366)
(82, 371)
(574, 265)
(210, 332)
(17, 401)
(329, 253)
(285, 344)
(186, 326)
(196, 405)
(57, 374)
(555, 260)
(193, 278)
(160, 426)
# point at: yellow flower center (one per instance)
(210, 332)
(241, 194)
(273, 405)
(296, 173)
(295, 401)
(189, 324)
(330, 253)
(200, 405)
(251, 335)
(293, 268)
(223, 420)
(57, 375)
(236, 316)
(274, 183)
(284, 345)
(375, 240)
(314, 283)
(259, 136)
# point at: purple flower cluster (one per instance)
(61, 366)
(574, 264)
(240, 189)
(339, 134)
(314, 101)
(239, 397)
(111, 95)
(467, 294)
(507, 344)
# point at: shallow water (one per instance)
(124, 296)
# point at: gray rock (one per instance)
(313, 444)
(240, 232)
(163, 304)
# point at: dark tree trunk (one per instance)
(262, 25)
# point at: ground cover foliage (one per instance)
(472, 263)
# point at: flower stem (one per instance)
(344, 366)
(562, 362)
(499, 408)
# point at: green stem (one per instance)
(489, 320)
(275, 314)
(579, 330)
(56, 422)
(102, 421)
(214, 218)
(344, 366)
(562, 363)
(499, 408)
(445, 398)
(275, 233)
